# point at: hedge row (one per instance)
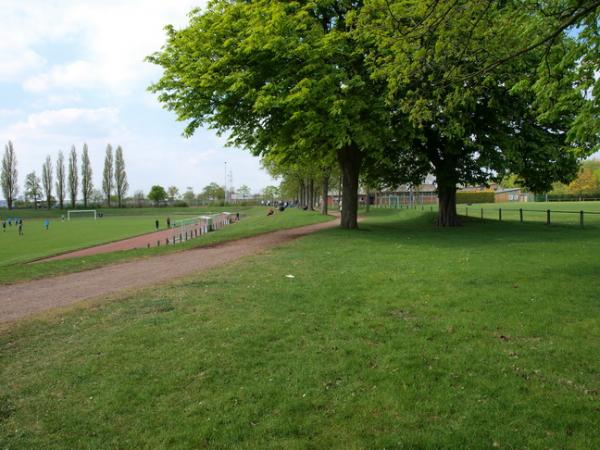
(475, 197)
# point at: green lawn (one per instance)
(563, 213)
(16, 251)
(399, 335)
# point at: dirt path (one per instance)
(25, 299)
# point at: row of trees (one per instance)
(211, 193)
(394, 90)
(64, 181)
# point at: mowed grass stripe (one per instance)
(398, 335)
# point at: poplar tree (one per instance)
(121, 184)
(47, 180)
(108, 174)
(73, 177)
(8, 175)
(87, 186)
(60, 179)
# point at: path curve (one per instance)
(25, 299)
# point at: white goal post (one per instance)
(80, 211)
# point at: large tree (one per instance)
(87, 186)
(213, 192)
(73, 180)
(173, 192)
(121, 184)
(60, 179)
(33, 188)
(188, 196)
(47, 180)
(8, 175)
(473, 114)
(108, 174)
(157, 194)
(279, 76)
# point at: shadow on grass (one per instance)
(417, 228)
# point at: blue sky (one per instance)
(72, 71)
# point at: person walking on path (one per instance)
(46, 224)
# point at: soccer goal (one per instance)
(83, 212)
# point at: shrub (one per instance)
(475, 197)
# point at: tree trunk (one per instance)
(350, 161)
(447, 216)
(325, 193)
(368, 206)
(311, 194)
(302, 192)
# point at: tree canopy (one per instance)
(394, 90)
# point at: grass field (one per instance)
(16, 251)
(561, 213)
(399, 335)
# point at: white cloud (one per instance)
(113, 37)
(60, 121)
(77, 74)
(16, 62)
(81, 66)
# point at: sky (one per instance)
(73, 71)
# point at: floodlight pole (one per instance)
(225, 193)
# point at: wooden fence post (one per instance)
(500, 214)
(482, 213)
(581, 219)
(547, 217)
(521, 214)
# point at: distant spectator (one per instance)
(271, 212)
(46, 224)
(4, 225)
(21, 228)
(157, 224)
(168, 222)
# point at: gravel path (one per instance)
(24, 299)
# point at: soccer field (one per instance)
(63, 236)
